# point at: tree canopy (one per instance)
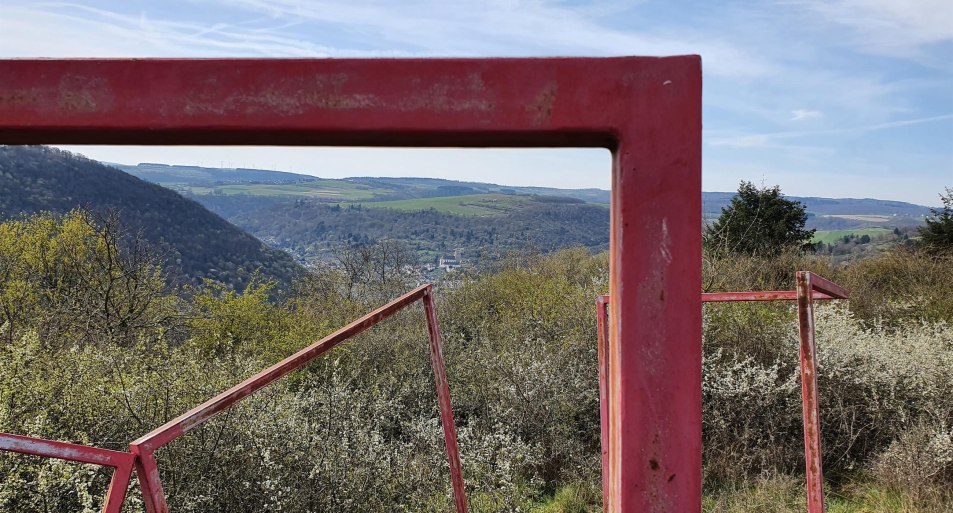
(759, 222)
(937, 235)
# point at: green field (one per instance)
(470, 205)
(829, 236)
(326, 189)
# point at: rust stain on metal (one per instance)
(443, 97)
(81, 94)
(542, 108)
(18, 98)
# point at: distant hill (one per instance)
(166, 174)
(312, 229)
(307, 215)
(200, 243)
(257, 182)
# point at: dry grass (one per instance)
(785, 494)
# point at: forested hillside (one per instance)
(310, 229)
(195, 242)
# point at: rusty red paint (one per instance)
(144, 447)
(646, 110)
(121, 462)
(443, 398)
(774, 295)
(602, 331)
(810, 287)
(809, 402)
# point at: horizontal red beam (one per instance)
(771, 295)
(196, 416)
(65, 451)
(539, 102)
(819, 283)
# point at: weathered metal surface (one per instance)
(773, 295)
(602, 331)
(810, 287)
(646, 110)
(443, 398)
(809, 403)
(825, 286)
(121, 462)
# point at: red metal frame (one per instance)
(646, 110)
(810, 287)
(121, 462)
(144, 447)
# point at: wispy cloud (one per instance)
(803, 115)
(74, 30)
(418, 27)
(899, 28)
(766, 139)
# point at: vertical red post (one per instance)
(443, 398)
(602, 331)
(809, 403)
(655, 350)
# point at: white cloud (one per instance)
(804, 115)
(892, 27)
(763, 140)
(498, 27)
(72, 30)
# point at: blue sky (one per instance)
(843, 98)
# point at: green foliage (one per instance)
(573, 499)
(313, 229)
(70, 277)
(358, 429)
(759, 222)
(194, 243)
(901, 285)
(937, 235)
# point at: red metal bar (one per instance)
(824, 286)
(121, 462)
(145, 446)
(655, 352)
(774, 295)
(809, 402)
(201, 413)
(446, 409)
(646, 110)
(810, 287)
(602, 330)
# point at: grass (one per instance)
(471, 205)
(776, 494)
(328, 189)
(830, 236)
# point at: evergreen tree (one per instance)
(759, 222)
(937, 235)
